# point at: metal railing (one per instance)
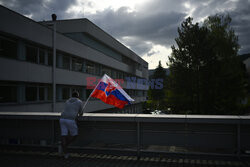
(135, 133)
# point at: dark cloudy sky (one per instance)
(148, 27)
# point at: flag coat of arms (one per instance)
(111, 92)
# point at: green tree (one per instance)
(157, 94)
(205, 73)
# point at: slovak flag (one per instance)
(111, 92)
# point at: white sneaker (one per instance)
(60, 151)
(66, 156)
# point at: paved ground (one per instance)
(44, 159)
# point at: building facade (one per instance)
(84, 52)
(247, 64)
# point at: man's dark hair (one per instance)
(75, 94)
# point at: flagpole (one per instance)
(90, 95)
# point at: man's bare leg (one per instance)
(64, 144)
(70, 139)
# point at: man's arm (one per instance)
(80, 112)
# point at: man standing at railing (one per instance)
(69, 129)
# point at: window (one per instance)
(66, 62)
(94, 43)
(125, 75)
(31, 54)
(126, 60)
(62, 61)
(50, 93)
(90, 67)
(106, 70)
(41, 93)
(41, 56)
(31, 93)
(50, 58)
(114, 74)
(97, 69)
(120, 75)
(131, 92)
(138, 66)
(140, 93)
(58, 60)
(8, 48)
(134, 93)
(77, 64)
(8, 94)
(65, 93)
(88, 91)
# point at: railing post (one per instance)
(238, 140)
(53, 133)
(138, 140)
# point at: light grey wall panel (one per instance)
(14, 70)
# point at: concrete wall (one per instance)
(15, 70)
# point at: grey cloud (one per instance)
(135, 44)
(241, 24)
(40, 9)
(239, 12)
(162, 6)
(158, 28)
(152, 53)
(90, 4)
(210, 7)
